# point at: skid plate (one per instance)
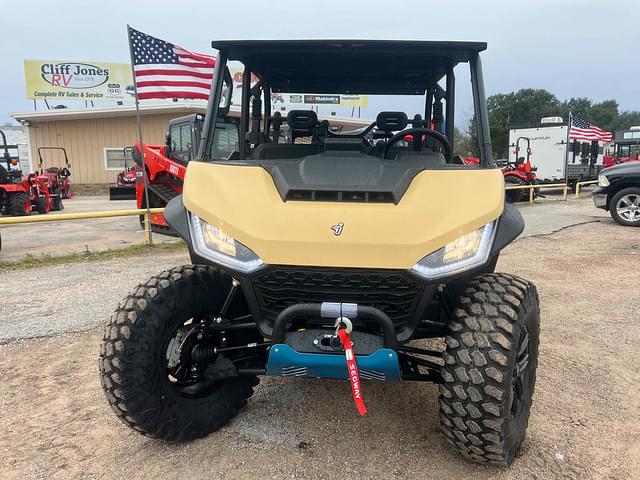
(287, 362)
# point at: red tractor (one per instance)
(520, 173)
(58, 176)
(18, 195)
(125, 187)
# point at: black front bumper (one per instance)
(600, 195)
(397, 293)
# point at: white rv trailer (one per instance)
(549, 153)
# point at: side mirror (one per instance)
(167, 140)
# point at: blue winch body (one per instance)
(284, 361)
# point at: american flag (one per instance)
(583, 130)
(165, 70)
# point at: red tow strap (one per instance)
(352, 371)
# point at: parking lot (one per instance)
(584, 424)
(75, 236)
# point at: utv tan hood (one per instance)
(438, 207)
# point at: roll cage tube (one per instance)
(450, 96)
(41, 158)
(244, 110)
(480, 110)
(6, 155)
(213, 106)
(526, 139)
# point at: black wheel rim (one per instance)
(521, 373)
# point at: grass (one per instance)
(34, 261)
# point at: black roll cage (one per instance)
(433, 93)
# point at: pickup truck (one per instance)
(618, 192)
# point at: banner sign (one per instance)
(290, 101)
(296, 100)
(55, 79)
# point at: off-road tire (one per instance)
(42, 206)
(513, 196)
(16, 204)
(491, 318)
(614, 202)
(132, 357)
(56, 201)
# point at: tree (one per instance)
(527, 106)
(579, 107)
(604, 114)
(463, 144)
(626, 120)
(518, 109)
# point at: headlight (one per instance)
(214, 244)
(464, 253)
(603, 181)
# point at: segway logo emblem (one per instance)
(337, 229)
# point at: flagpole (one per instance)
(147, 223)
(566, 153)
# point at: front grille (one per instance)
(394, 292)
(340, 196)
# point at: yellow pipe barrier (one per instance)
(87, 215)
(531, 188)
(76, 216)
(580, 184)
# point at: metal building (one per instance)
(95, 138)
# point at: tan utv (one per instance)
(308, 234)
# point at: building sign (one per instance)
(54, 79)
(281, 99)
(291, 101)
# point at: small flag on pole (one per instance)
(165, 70)
(583, 130)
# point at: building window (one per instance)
(116, 159)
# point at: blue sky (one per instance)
(583, 48)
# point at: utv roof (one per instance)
(349, 66)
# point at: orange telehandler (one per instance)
(166, 165)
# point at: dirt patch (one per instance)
(585, 422)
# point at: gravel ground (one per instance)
(585, 421)
(39, 302)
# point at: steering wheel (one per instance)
(440, 138)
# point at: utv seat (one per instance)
(426, 159)
(301, 124)
(271, 151)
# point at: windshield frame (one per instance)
(431, 92)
